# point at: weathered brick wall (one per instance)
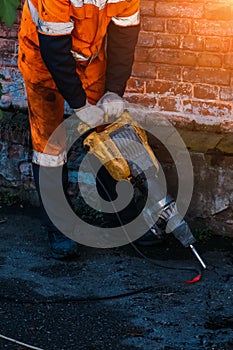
(183, 61)
(13, 87)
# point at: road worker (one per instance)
(77, 51)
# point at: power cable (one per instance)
(19, 343)
(153, 261)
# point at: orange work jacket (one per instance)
(85, 20)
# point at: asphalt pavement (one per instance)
(111, 298)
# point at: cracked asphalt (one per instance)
(61, 305)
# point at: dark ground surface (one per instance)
(45, 303)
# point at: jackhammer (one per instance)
(122, 147)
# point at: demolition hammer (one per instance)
(122, 147)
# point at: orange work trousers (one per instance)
(46, 113)
(45, 103)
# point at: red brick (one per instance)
(153, 24)
(231, 45)
(178, 1)
(208, 27)
(5, 86)
(204, 108)
(10, 74)
(205, 92)
(209, 60)
(174, 9)
(144, 70)
(228, 61)
(217, 44)
(218, 11)
(141, 100)
(6, 100)
(135, 85)
(18, 16)
(178, 26)
(169, 104)
(141, 54)
(193, 43)
(6, 32)
(206, 75)
(168, 88)
(7, 46)
(169, 72)
(225, 44)
(184, 89)
(3, 31)
(178, 57)
(8, 59)
(147, 8)
(25, 168)
(16, 151)
(159, 87)
(167, 41)
(213, 43)
(180, 43)
(226, 94)
(146, 39)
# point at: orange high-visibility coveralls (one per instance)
(87, 22)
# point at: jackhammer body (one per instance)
(123, 149)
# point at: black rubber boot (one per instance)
(60, 245)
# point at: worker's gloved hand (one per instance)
(90, 116)
(112, 105)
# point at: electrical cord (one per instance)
(76, 299)
(153, 261)
(97, 299)
(19, 343)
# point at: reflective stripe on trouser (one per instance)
(46, 110)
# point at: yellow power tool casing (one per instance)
(103, 147)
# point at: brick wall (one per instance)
(183, 61)
(13, 87)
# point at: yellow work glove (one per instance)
(112, 105)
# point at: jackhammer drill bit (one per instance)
(169, 215)
(185, 240)
(197, 256)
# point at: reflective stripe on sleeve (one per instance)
(79, 57)
(127, 21)
(48, 159)
(33, 12)
(55, 28)
(77, 3)
(98, 3)
(52, 28)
